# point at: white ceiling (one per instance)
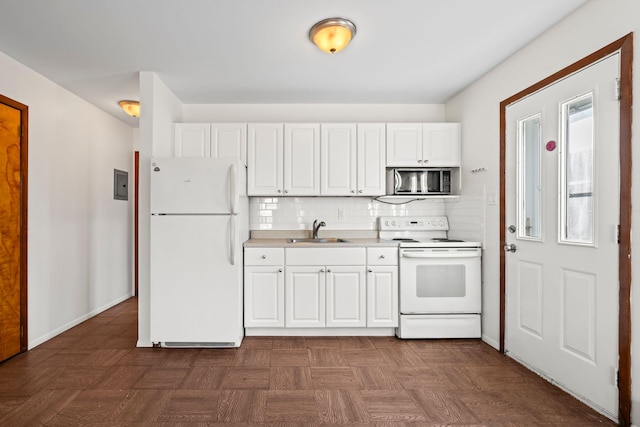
(258, 51)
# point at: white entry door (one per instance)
(562, 212)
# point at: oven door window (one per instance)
(441, 281)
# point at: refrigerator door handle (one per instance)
(232, 240)
(232, 202)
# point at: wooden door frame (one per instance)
(24, 160)
(623, 45)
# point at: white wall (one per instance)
(160, 109)
(79, 250)
(590, 28)
(194, 113)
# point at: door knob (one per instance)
(510, 248)
(512, 229)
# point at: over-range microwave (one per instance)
(418, 181)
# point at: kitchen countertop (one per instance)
(283, 243)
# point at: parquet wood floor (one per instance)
(93, 375)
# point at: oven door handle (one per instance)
(467, 254)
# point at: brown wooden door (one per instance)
(12, 237)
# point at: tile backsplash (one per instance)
(466, 215)
(339, 213)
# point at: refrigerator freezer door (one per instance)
(195, 185)
(196, 294)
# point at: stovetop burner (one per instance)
(398, 239)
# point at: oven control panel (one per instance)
(407, 223)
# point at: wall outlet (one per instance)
(340, 213)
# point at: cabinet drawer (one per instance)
(382, 256)
(326, 256)
(264, 256)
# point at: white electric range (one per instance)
(440, 280)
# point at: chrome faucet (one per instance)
(316, 227)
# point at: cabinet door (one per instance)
(346, 296)
(371, 159)
(305, 297)
(264, 296)
(264, 160)
(302, 159)
(441, 144)
(192, 139)
(338, 159)
(229, 140)
(404, 144)
(382, 296)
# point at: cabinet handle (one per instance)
(286, 191)
(353, 191)
(279, 270)
(426, 161)
(328, 271)
(381, 256)
(263, 257)
(419, 161)
(322, 270)
(370, 271)
(360, 191)
(279, 191)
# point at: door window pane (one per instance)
(576, 171)
(529, 185)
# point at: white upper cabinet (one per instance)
(302, 159)
(423, 144)
(338, 159)
(210, 140)
(229, 140)
(404, 144)
(192, 139)
(441, 144)
(265, 169)
(353, 159)
(371, 159)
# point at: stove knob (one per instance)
(393, 223)
(441, 222)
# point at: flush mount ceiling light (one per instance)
(333, 34)
(132, 108)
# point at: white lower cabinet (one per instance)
(346, 296)
(305, 297)
(331, 296)
(382, 296)
(382, 287)
(321, 288)
(264, 288)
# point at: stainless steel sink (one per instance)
(323, 240)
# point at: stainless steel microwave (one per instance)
(418, 181)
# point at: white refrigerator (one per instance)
(199, 220)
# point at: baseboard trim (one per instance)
(76, 322)
(493, 343)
